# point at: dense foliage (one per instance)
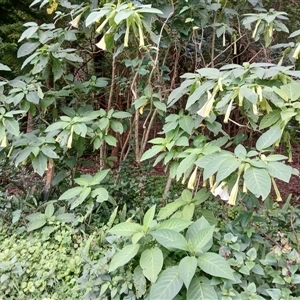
(207, 89)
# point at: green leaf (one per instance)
(71, 193)
(27, 48)
(196, 227)
(85, 192)
(249, 94)
(215, 265)
(201, 290)
(38, 222)
(57, 69)
(186, 196)
(160, 106)
(187, 124)
(268, 138)
(98, 177)
(110, 140)
(136, 237)
(124, 256)
(202, 238)
(188, 211)
(122, 15)
(4, 67)
(211, 163)
(167, 286)
(170, 239)
(275, 294)
(101, 194)
(83, 181)
(209, 216)
(16, 215)
(157, 141)
(169, 209)
(151, 262)
(152, 152)
(185, 164)
(22, 155)
(292, 90)
(258, 182)
(148, 217)
(182, 141)
(175, 224)
(57, 126)
(227, 167)
(49, 211)
(269, 119)
(47, 150)
(116, 126)
(187, 268)
(80, 129)
(240, 151)
(39, 163)
(12, 126)
(121, 114)
(288, 114)
(33, 97)
(177, 93)
(95, 16)
(66, 217)
(280, 170)
(126, 229)
(196, 95)
(139, 282)
(28, 33)
(140, 102)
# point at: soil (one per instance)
(293, 187)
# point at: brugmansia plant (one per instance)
(265, 96)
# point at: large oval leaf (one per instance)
(167, 286)
(187, 269)
(201, 290)
(139, 282)
(38, 222)
(176, 224)
(268, 138)
(126, 229)
(258, 181)
(170, 239)
(202, 238)
(196, 227)
(124, 256)
(151, 262)
(71, 193)
(215, 265)
(39, 163)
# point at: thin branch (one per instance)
(212, 62)
(111, 92)
(267, 236)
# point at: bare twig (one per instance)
(230, 46)
(267, 236)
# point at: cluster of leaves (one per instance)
(173, 253)
(38, 265)
(178, 252)
(268, 98)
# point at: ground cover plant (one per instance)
(142, 149)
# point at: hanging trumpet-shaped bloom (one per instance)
(192, 180)
(221, 191)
